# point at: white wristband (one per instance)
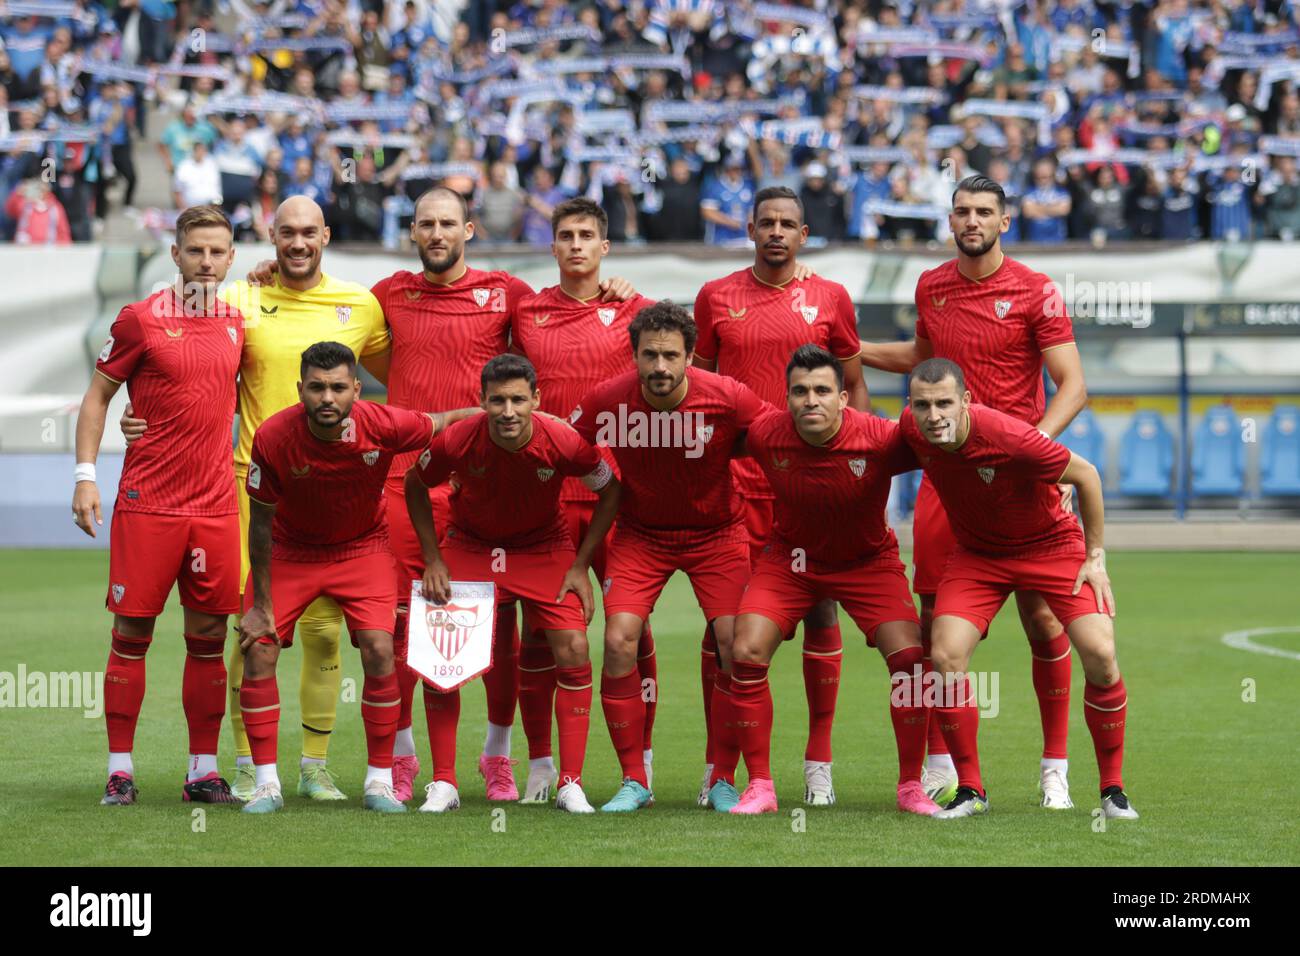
(1044, 434)
(85, 471)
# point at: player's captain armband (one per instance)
(254, 475)
(600, 477)
(107, 350)
(451, 643)
(425, 457)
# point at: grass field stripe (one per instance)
(1242, 641)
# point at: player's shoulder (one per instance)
(460, 436)
(348, 292)
(555, 431)
(771, 425)
(275, 429)
(999, 428)
(824, 285)
(547, 297)
(939, 276)
(1026, 277)
(401, 279)
(618, 385)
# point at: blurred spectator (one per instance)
(303, 182)
(725, 203)
(263, 203)
(868, 185)
(1145, 208)
(24, 44)
(239, 163)
(157, 28)
(1279, 195)
(621, 208)
(823, 206)
(358, 212)
(182, 133)
(38, 216)
(775, 166)
(114, 112)
(542, 198)
(1104, 205)
(678, 219)
(500, 208)
(197, 179)
(903, 228)
(1045, 206)
(1178, 219)
(1230, 203)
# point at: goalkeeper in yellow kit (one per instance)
(303, 306)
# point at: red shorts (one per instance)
(534, 579)
(362, 587)
(577, 518)
(932, 540)
(757, 513)
(408, 562)
(975, 586)
(637, 570)
(873, 593)
(148, 553)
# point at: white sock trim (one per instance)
(497, 743)
(404, 743)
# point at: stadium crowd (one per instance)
(1102, 119)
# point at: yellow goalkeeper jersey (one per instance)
(279, 325)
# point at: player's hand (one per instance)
(616, 290)
(437, 582)
(132, 427)
(803, 271)
(1093, 571)
(85, 507)
(1067, 497)
(264, 272)
(577, 580)
(256, 623)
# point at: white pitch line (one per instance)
(1242, 640)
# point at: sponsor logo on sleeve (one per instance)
(254, 475)
(425, 458)
(107, 350)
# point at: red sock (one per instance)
(407, 679)
(822, 656)
(203, 691)
(1106, 711)
(935, 745)
(648, 668)
(573, 717)
(124, 690)
(909, 717)
(708, 672)
(1052, 685)
(751, 701)
(502, 682)
(726, 737)
(537, 695)
(442, 711)
(259, 703)
(380, 706)
(961, 724)
(620, 698)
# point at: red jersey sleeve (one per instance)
(516, 291)
(583, 418)
(1050, 322)
(1037, 456)
(844, 342)
(748, 406)
(921, 331)
(380, 290)
(579, 457)
(262, 484)
(706, 340)
(124, 348)
(434, 465)
(407, 430)
(896, 453)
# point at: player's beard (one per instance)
(298, 269)
(984, 245)
(439, 266)
(343, 413)
(776, 258)
(653, 383)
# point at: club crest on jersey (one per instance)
(809, 313)
(300, 472)
(174, 333)
(481, 296)
(425, 458)
(107, 350)
(737, 313)
(858, 466)
(344, 313)
(412, 295)
(370, 457)
(1001, 307)
(938, 301)
(781, 463)
(605, 585)
(606, 316)
(119, 592)
(705, 432)
(450, 626)
(234, 336)
(545, 474)
(986, 475)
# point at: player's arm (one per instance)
(86, 508)
(856, 385)
(1084, 476)
(259, 620)
(1066, 369)
(576, 579)
(437, 579)
(896, 356)
(377, 364)
(444, 420)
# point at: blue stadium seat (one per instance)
(1279, 453)
(1085, 438)
(1218, 454)
(1146, 458)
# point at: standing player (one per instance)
(509, 467)
(316, 481)
(829, 467)
(296, 306)
(175, 519)
(997, 478)
(671, 428)
(749, 324)
(1002, 323)
(448, 321)
(575, 341)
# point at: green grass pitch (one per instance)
(1213, 774)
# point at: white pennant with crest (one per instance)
(451, 644)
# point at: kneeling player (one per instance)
(829, 467)
(318, 527)
(507, 527)
(996, 477)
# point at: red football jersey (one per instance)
(574, 346)
(180, 373)
(999, 488)
(329, 495)
(508, 499)
(830, 499)
(751, 329)
(996, 329)
(443, 335)
(674, 465)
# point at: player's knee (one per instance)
(136, 628)
(376, 649)
(259, 662)
(323, 635)
(620, 648)
(946, 658)
(570, 649)
(1040, 623)
(210, 628)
